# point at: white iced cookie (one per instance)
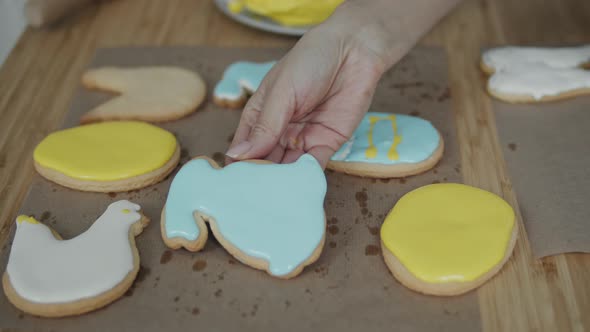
(532, 74)
(50, 277)
(152, 94)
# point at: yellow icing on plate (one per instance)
(448, 232)
(106, 151)
(289, 12)
(22, 218)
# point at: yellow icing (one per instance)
(22, 218)
(448, 232)
(235, 6)
(371, 151)
(106, 151)
(289, 12)
(126, 211)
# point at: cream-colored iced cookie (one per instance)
(152, 94)
(389, 145)
(447, 239)
(537, 74)
(50, 277)
(250, 208)
(107, 156)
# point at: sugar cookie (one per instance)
(389, 145)
(107, 156)
(268, 216)
(447, 239)
(239, 80)
(534, 74)
(151, 94)
(50, 277)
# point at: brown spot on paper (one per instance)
(45, 216)
(512, 146)
(371, 250)
(199, 265)
(374, 230)
(446, 94)
(361, 198)
(166, 257)
(333, 229)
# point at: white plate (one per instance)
(259, 22)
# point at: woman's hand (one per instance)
(312, 100)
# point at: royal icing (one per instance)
(288, 12)
(272, 212)
(106, 151)
(43, 269)
(510, 56)
(448, 232)
(539, 81)
(240, 78)
(383, 138)
(537, 72)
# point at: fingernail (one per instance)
(238, 150)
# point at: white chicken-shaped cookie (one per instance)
(50, 277)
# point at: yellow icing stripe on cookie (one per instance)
(448, 232)
(106, 151)
(22, 218)
(372, 151)
(397, 139)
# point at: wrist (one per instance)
(387, 28)
(362, 27)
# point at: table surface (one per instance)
(39, 78)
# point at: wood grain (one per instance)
(42, 72)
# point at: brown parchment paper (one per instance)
(348, 289)
(547, 151)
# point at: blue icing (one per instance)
(419, 140)
(270, 211)
(241, 75)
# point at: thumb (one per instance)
(276, 110)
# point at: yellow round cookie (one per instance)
(107, 152)
(445, 239)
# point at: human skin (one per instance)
(312, 100)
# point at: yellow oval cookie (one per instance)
(106, 151)
(449, 232)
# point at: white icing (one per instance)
(537, 72)
(563, 57)
(344, 150)
(43, 269)
(539, 81)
